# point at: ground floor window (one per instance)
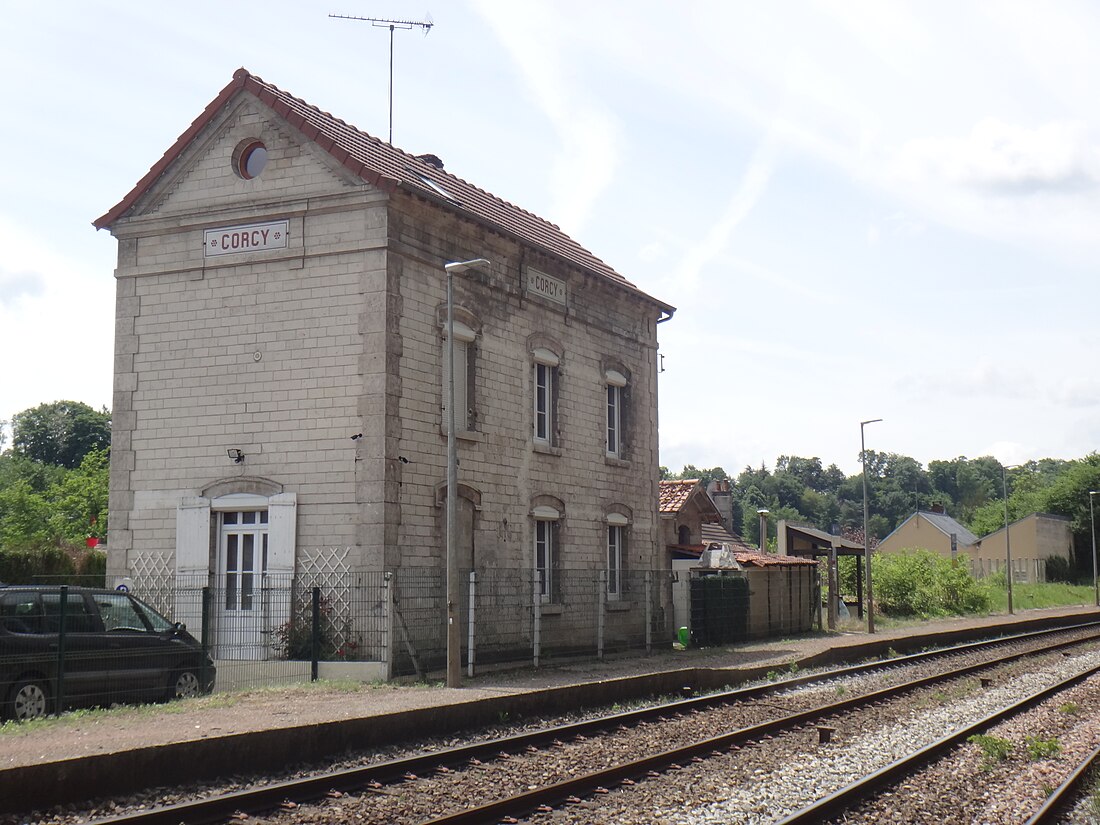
(614, 560)
(544, 556)
(243, 556)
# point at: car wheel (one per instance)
(185, 685)
(28, 700)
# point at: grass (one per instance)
(994, 750)
(1038, 596)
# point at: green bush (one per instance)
(44, 561)
(1061, 570)
(922, 583)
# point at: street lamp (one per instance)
(1092, 525)
(1008, 541)
(454, 635)
(866, 536)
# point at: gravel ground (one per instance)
(223, 714)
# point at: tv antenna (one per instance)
(378, 22)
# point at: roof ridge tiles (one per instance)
(388, 167)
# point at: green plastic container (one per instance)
(683, 636)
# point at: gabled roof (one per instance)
(945, 524)
(388, 168)
(675, 494)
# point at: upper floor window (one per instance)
(464, 338)
(616, 396)
(545, 385)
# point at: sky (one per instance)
(860, 209)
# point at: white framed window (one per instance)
(545, 391)
(464, 337)
(615, 381)
(616, 541)
(545, 549)
(242, 556)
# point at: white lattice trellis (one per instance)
(328, 569)
(152, 574)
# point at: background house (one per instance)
(279, 413)
(931, 530)
(1033, 539)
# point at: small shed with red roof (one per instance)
(782, 594)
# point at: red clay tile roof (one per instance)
(388, 168)
(675, 494)
(746, 556)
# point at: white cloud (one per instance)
(15, 286)
(715, 241)
(1007, 159)
(53, 335)
(588, 134)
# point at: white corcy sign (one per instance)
(254, 237)
(546, 286)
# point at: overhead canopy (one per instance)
(799, 540)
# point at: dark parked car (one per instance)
(115, 648)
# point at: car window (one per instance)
(78, 618)
(155, 620)
(20, 612)
(119, 613)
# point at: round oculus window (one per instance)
(252, 160)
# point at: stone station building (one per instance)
(279, 389)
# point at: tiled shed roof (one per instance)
(388, 168)
(675, 494)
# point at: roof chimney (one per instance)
(431, 160)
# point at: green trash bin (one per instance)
(683, 636)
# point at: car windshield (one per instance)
(157, 621)
(119, 613)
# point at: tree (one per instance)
(80, 500)
(60, 433)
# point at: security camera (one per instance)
(402, 459)
(356, 437)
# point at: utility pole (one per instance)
(378, 22)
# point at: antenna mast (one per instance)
(377, 22)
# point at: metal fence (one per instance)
(264, 629)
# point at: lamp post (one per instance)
(454, 635)
(1092, 526)
(866, 536)
(1008, 539)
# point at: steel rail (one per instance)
(1065, 794)
(306, 789)
(551, 795)
(867, 787)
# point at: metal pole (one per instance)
(1008, 540)
(391, 85)
(1092, 523)
(454, 655)
(315, 634)
(454, 635)
(471, 631)
(600, 609)
(866, 537)
(62, 627)
(536, 609)
(648, 612)
(388, 637)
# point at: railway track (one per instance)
(390, 784)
